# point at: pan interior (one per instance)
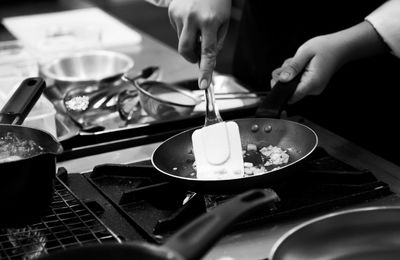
(365, 234)
(175, 157)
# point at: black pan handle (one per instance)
(273, 104)
(195, 239)
(24, 98)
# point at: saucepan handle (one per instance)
(21, 102)
(273, 104)
(195, 239)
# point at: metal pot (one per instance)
(26, 184)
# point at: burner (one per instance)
(159, 208)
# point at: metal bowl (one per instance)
(85, 68)
(165, 101)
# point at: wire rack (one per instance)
(68, 223)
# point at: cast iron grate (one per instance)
(67, 223)
(159, 208)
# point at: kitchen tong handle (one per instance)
(22, 101)
(203, 232)
(277, 99)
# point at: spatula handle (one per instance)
(212, 111)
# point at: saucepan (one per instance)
(174, 157)
(27, 159)
(191, 242)
(362, 233)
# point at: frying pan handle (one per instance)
(194, 240)
(24, 98)
(273, 104)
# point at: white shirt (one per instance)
(162, 3)
(386, 21)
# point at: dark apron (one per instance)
(361, 101)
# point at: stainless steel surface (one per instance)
(366, 233)
(85, 68)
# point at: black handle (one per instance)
(195, 239)
(21, 102)
(273, 104)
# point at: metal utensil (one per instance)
(85, 68)
(162, 100)
(79, 100)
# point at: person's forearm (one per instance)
(360, 41)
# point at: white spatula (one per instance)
(217, 146)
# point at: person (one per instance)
(357, 86)
(320, 57)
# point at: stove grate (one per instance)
(67, 223)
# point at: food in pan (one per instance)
(258, 160)
(13, 147)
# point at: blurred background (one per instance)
(138, 13)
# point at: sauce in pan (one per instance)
(13, 147)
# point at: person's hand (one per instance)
(317, 59)
(200, 20)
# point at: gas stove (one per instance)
(134, 203)
(158, 208)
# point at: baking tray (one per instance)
(119, 134)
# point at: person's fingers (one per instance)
(175, 21)
(222, 32)
(273, 83)
(208, 56)
(294, 66)
(187, 45)
(312, 81)
(286, 62)
(275, 73)
(300, 92)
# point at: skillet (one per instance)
(174, 157)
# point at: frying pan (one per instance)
(191, 242)
(174, 157)
(26, 185)
(363, 233)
